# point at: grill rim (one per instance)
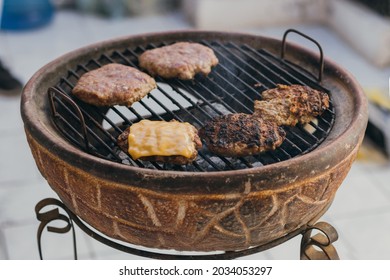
(327, 150)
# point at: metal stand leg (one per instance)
(46, 217)
(319, 246)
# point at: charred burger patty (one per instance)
(241, 134)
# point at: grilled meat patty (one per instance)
(181, 60)
(160, 141)
(241, 134)
(289, 105)
(113, 84)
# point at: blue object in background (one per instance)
(25, 14)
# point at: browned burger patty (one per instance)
(161, 140)
(113, 84)
(289, 105)
(241, 134)
(181, 60)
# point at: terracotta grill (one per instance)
(216, 203)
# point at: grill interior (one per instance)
(241, 75)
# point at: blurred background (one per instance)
(354, 33)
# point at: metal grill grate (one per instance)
(232, 86)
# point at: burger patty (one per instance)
(241, 134)
(181, 60)
(196, 144)
(113, 84)
(289, 105)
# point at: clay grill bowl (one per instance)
(196, 211)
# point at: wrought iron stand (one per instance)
(317, 247)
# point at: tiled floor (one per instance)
(360, 212)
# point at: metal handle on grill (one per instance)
(321, 66)
(54, 91)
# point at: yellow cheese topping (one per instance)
(161, 138)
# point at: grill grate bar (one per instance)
(223, 91)
(74, 130)
(188, 89)
(92, 119)
(255, 92)
(244, 63)
(262, 60)
(317, 127)
(228, 83)
(200, 97)
(233, 85)
(330, 110)
(194, 104)
(301, 139)
(123, 117)
(154, 114)
(294, 75)
(167, 95)
(298, 76)
(139, 117)
(198, 167)
(293, 145)
(242, 71)
(176, 103)
(156, 100)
